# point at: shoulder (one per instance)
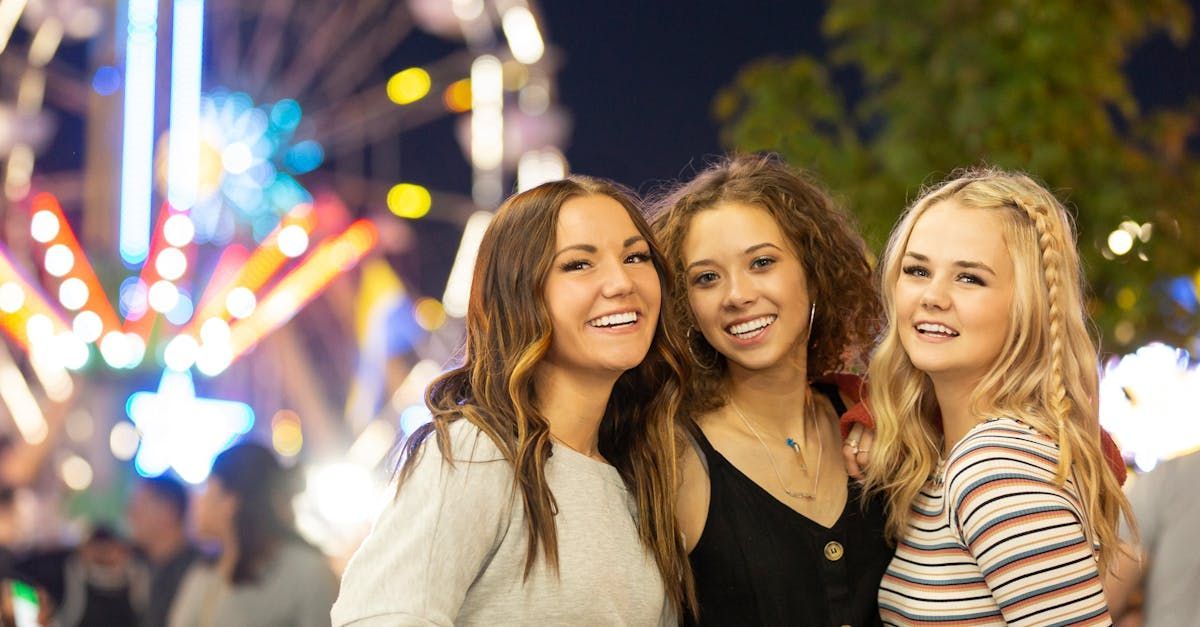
(1003, 447)
(305, 556)
(1004, 471)
(465, 441)
(305, 567)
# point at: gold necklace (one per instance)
(795, 446)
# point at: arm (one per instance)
(1124, 580)
(691, 504)
(1026, 536)
(433, 539)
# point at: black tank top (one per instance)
(759, 562)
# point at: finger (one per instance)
(866, 440)
(850, 452)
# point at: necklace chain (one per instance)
(795, 446)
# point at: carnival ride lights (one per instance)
(182, 431)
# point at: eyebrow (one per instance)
(973, 265)
(588, 248)
(749, 250)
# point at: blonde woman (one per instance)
(1005, 511)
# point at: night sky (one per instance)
(639, 77)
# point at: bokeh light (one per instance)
(458, 96)
(409, 201)
(429, 313)
(408, 86)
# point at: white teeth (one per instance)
(750, 326)
(941, 329)
(613, 320)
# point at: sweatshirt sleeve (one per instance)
(1026, 534)
(432, 541)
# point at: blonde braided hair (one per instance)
(1046, 374)
(1059, 402)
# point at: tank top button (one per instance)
(834, 551)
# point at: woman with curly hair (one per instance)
(774, 288)
(984, 396)
(542, 492)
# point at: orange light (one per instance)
(458, 96)
(429, 314)
(287, 436)
(258, 269)
(81, 268)
(330, 259)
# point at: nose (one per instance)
(741, 291)
(935, 295)
(617, 281)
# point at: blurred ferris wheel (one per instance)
(268, 93)
(236, 113)
(181, 134)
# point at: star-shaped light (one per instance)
(180, 430)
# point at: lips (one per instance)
(614, 320)
(935, 329)
(750, 328)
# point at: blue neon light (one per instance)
(181, 431)
(137, 149)
(187, 48)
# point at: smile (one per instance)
(935, 329)
(617, 320)
(750, 328)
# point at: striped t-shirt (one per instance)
(997, 542)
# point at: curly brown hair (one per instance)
(835, 258)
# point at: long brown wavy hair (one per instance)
(834, 256)
(508, 333)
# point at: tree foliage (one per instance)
(910, 91)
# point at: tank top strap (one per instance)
(708, 453)
(831, 392)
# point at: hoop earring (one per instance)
(692, 351)
(812, 312)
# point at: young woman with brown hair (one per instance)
(774, 288)
(543, 490)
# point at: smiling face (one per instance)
(746, 286)
(603, 292)
(954, 293)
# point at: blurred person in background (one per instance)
(1165, 572)
(98, 584)
(157, 516)
(265, 574)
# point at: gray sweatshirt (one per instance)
(450, 548)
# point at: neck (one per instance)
(164, 546)
(228, 558)
(574, 403)
(954, 401)
(775, 398)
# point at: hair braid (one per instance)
(1059, 402)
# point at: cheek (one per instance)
(564, 304)
(651, 291)
(905, 298)
(705, 306)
